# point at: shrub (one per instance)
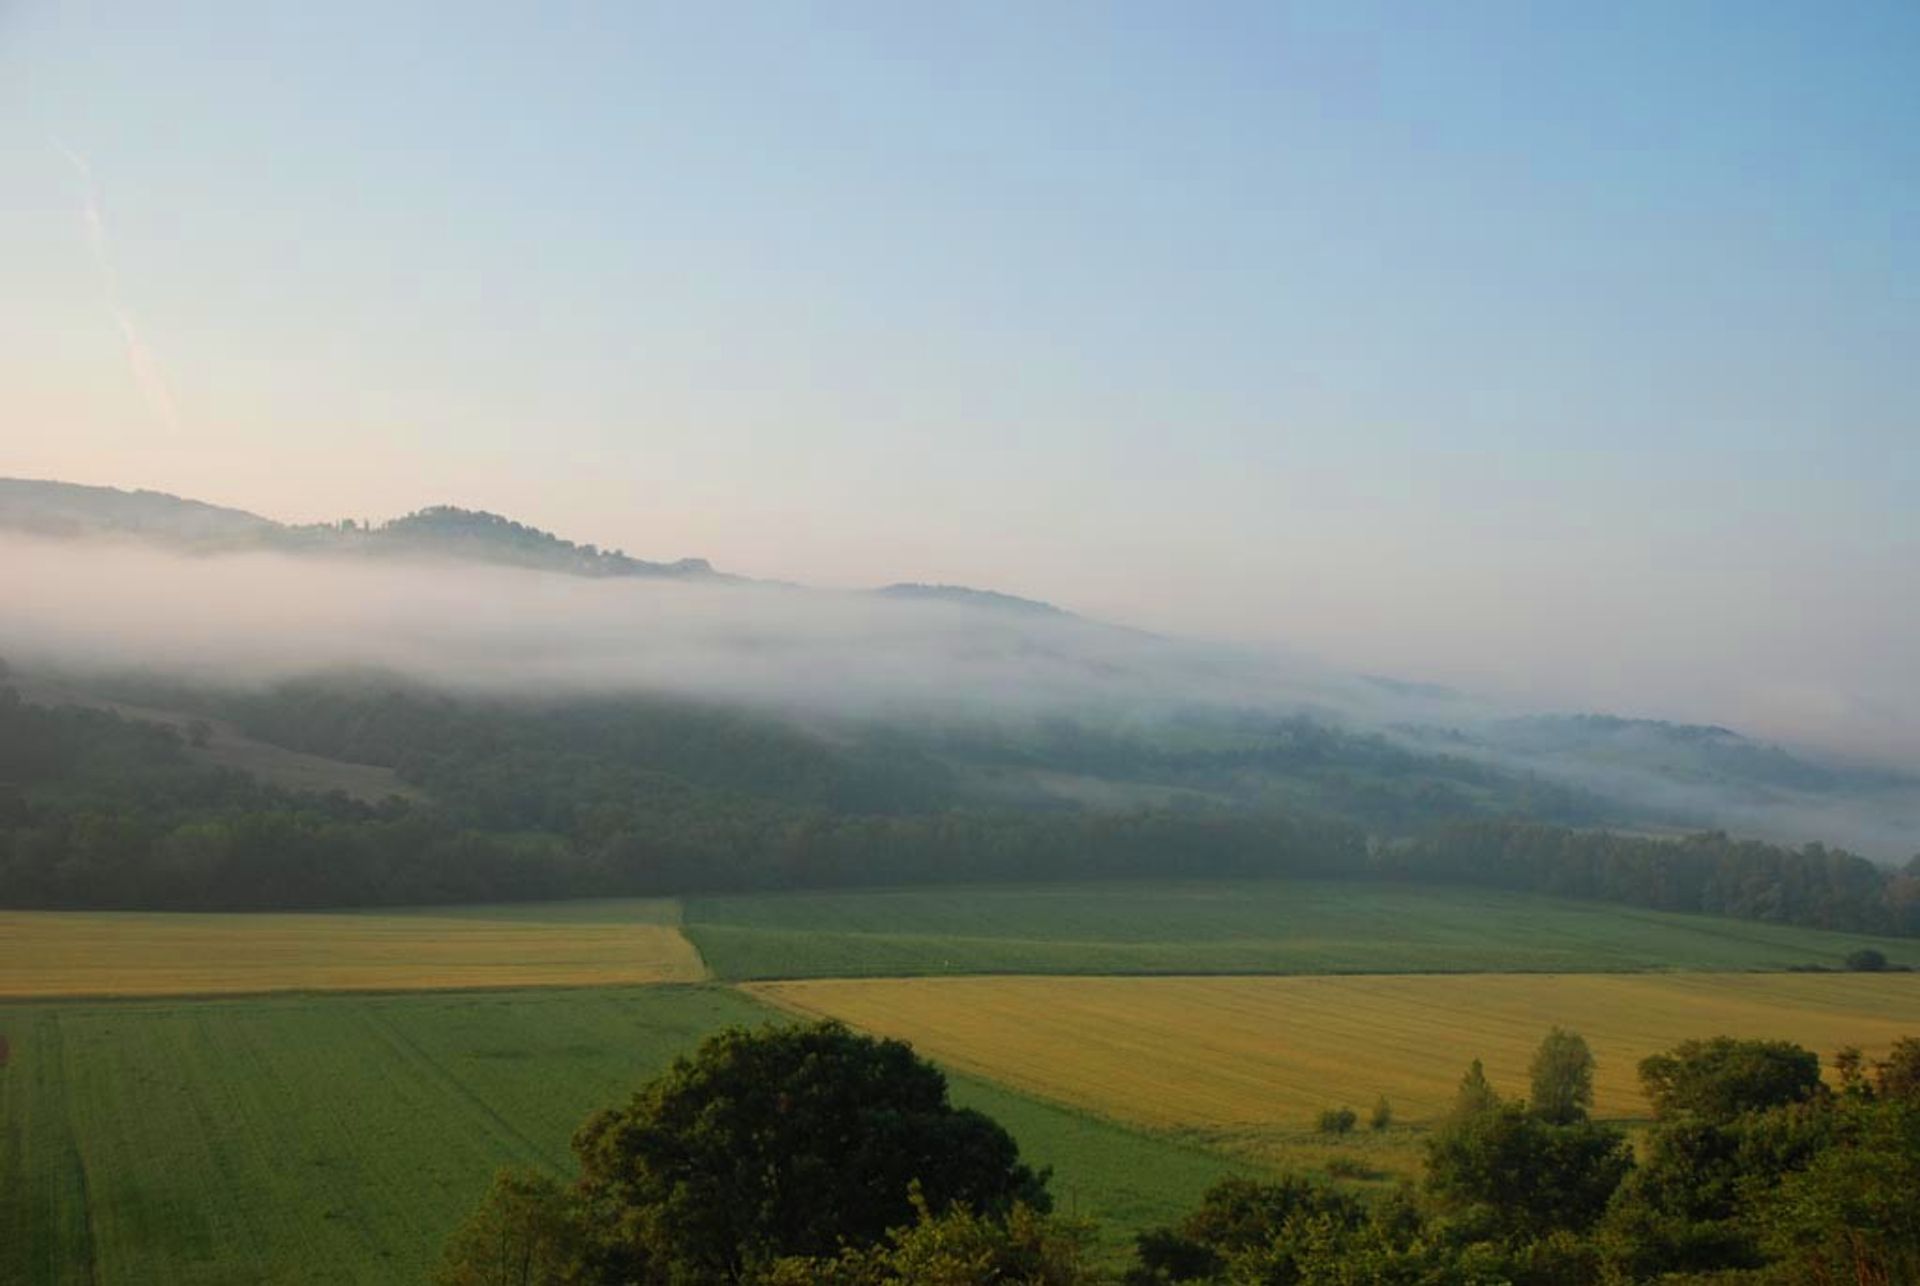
(1382, 1114)
(1338, 1120)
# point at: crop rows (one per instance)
(107, 953)
(1232, 1055)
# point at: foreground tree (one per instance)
(1853, 1214)
(1717, 1080)
(1735, 1118)
(1562, 1076)
(1514, 1172)
(1239, 1219)
(1513, 1175)
(527, 1231)
(958, 1248)
(809, 1145)
(783, 1142)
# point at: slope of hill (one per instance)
(69, 510)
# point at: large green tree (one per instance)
(786, 1141)
(1717, 1080)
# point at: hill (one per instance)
(70, 511)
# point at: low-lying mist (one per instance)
(252, 618)
(249, 619)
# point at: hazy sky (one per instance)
(1560, 350)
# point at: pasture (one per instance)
(113, 953)
(340, 1138)
(1227, 927)
(1247, 1063)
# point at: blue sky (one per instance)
(1564, 350)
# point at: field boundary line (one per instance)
(11, 1001)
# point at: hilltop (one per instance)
(67, 510)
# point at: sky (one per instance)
(1560, 352)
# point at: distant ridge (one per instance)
(75, 511)
(72, 511)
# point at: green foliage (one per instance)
(1866, 960)
(785, 1142)
(956, 1248)
(1518, 1175)
(1897, 1076)
(1716, 1080)
(1852, 1214)
(1476, 1094)
(527, 1231)
(1562, 1078)
(1742, 1121)
(1338, 1120)
(1238, 1217)
(1382, 1116)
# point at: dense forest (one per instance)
(633, 796)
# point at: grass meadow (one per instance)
(1246, 1064)
(1227, 927)
(339, 1138)
(116, 953)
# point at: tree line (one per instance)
(1712, 873)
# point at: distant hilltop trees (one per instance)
(69, 510)
(448, 530)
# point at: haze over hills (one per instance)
(1023, 702)
(68, 510)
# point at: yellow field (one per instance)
(61, 953)
(1239, 1058)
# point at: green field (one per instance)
(1226, 928)
(340, 1138)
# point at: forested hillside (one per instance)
(532, 799)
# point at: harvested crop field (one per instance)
(111, 953)
(1229, 1056)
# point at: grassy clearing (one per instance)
(113, 953)
(340, 1138)
(1226, 928)
(1246, 1064)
